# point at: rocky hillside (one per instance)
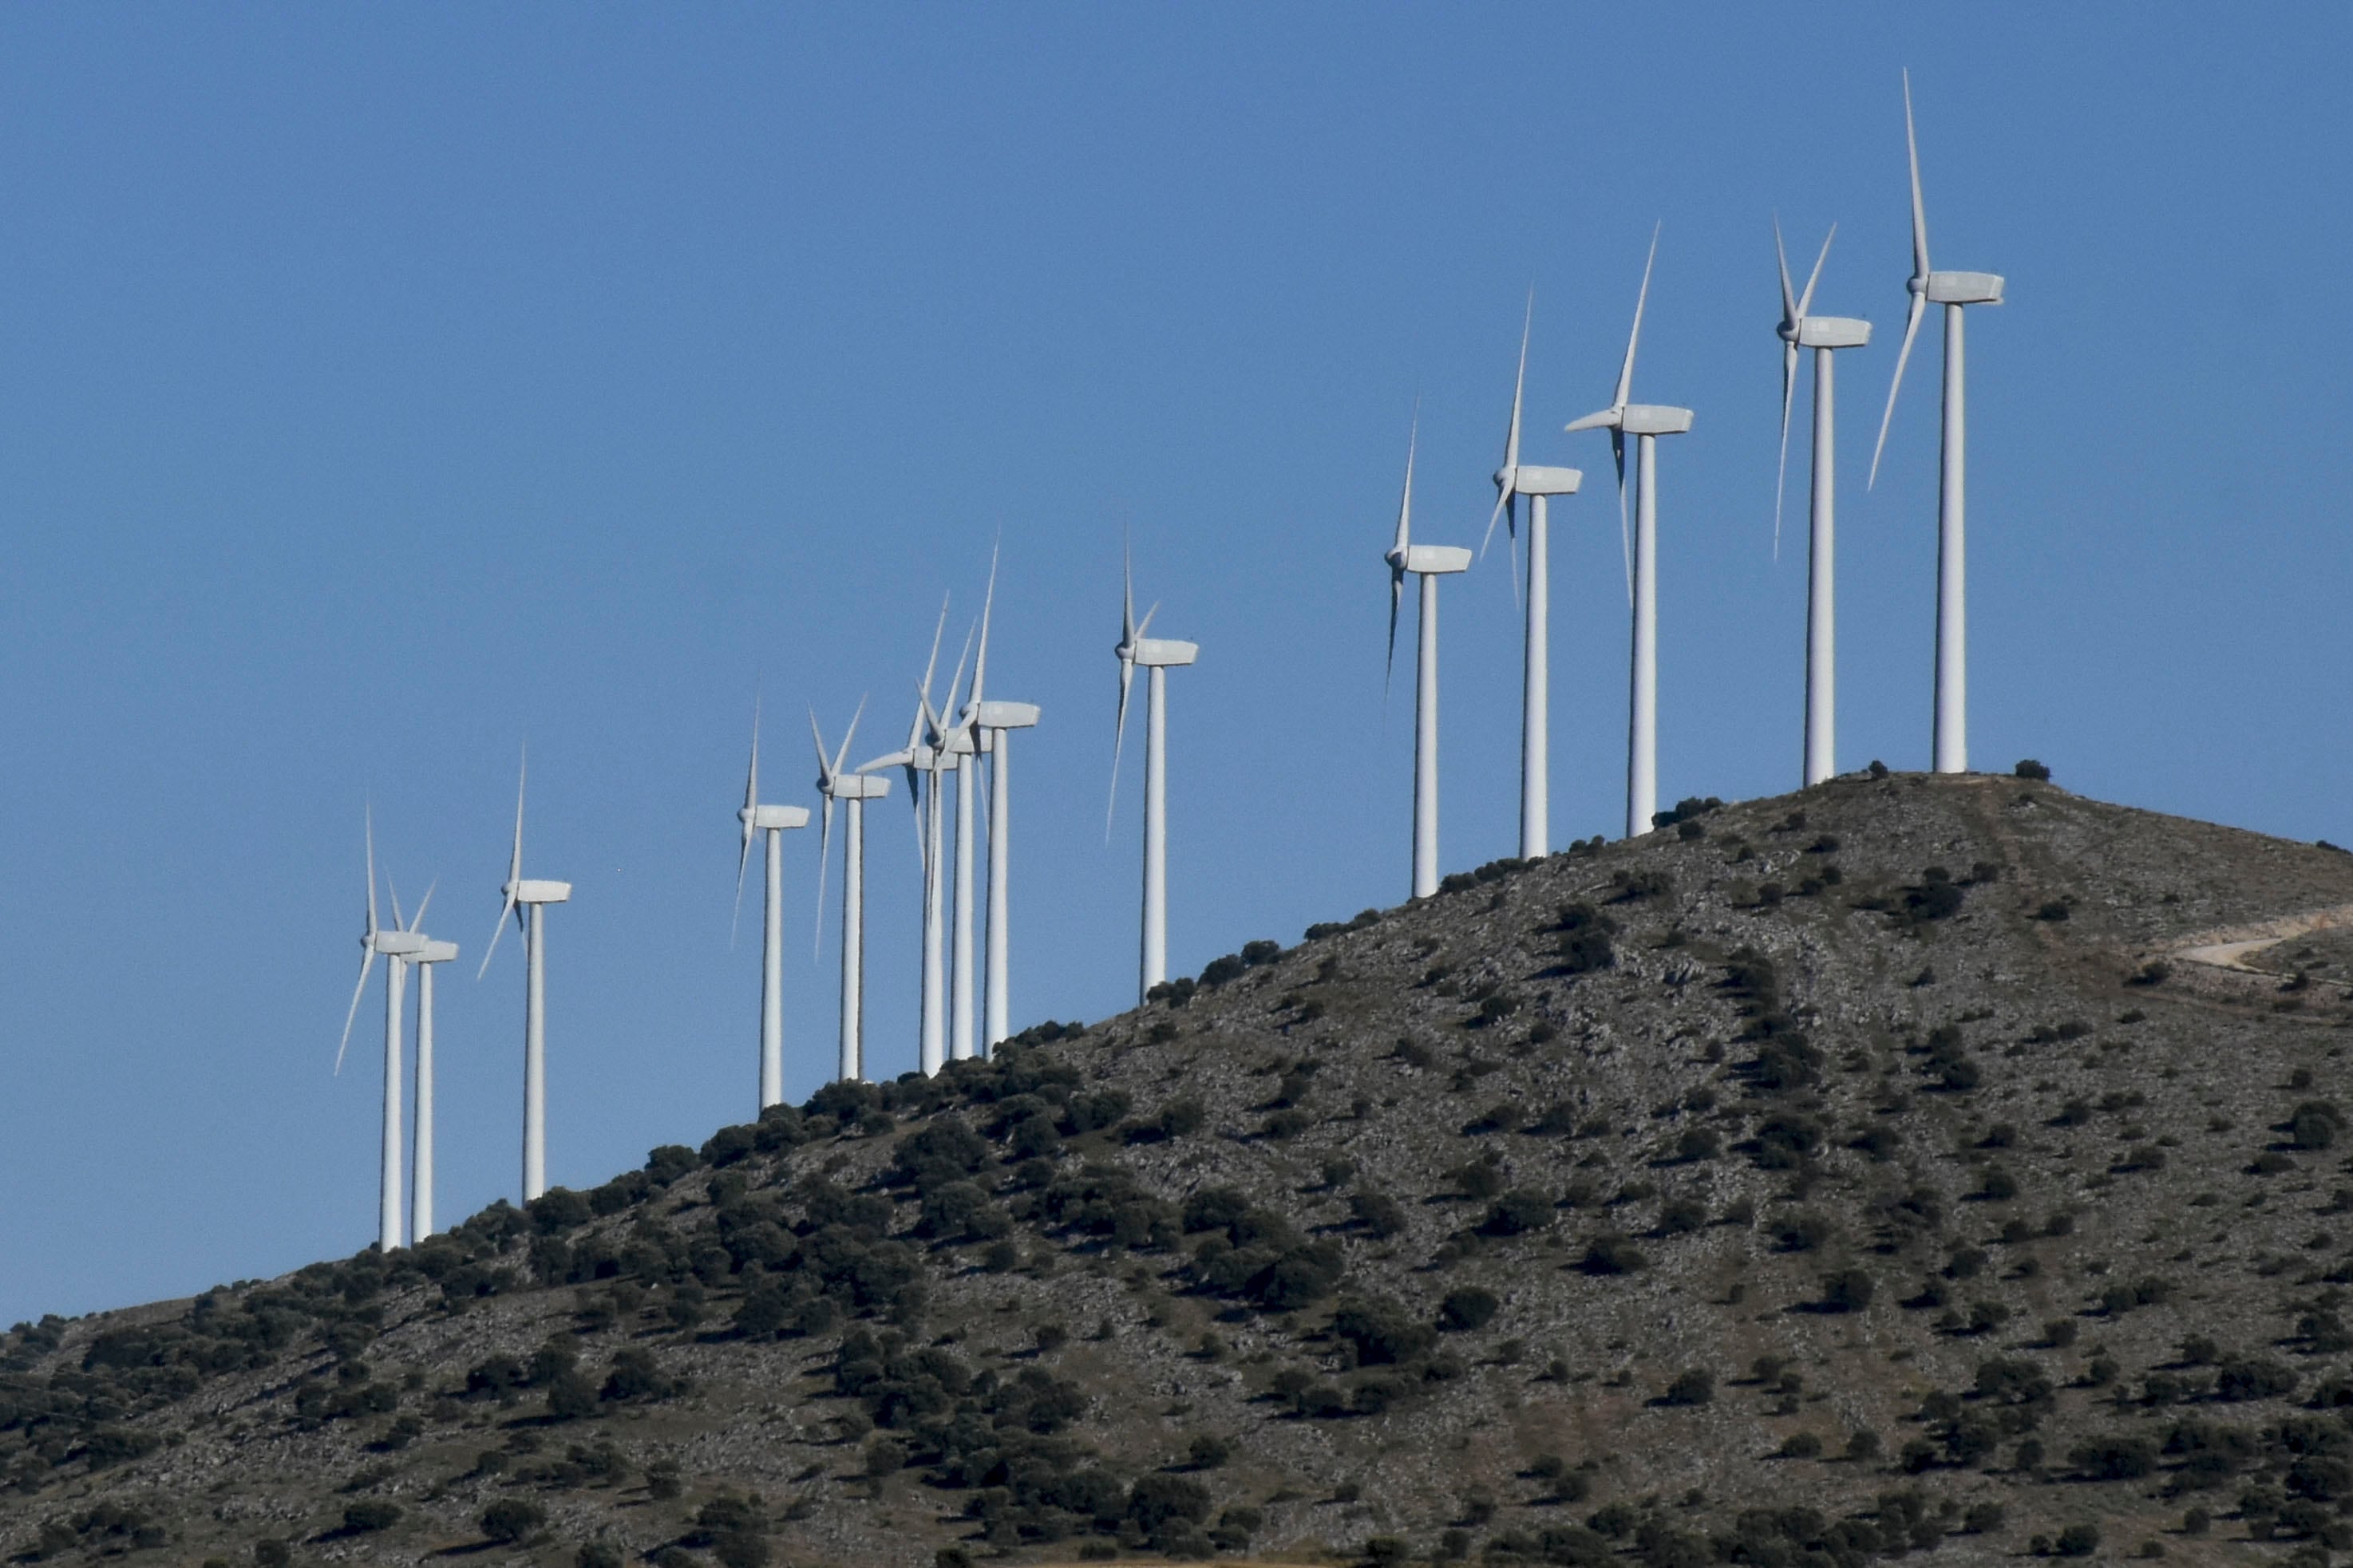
(1915, 1165)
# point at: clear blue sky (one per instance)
(379, 388)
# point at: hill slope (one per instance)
(1845, 1174)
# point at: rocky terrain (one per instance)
(1862, 1174)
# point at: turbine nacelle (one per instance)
(1537, 480)
(434, 952)
(536, 891)
(394, 943)
(1431, 560)
(856, 786)
(994, 715)
(1162, 653)
(1829, 332)
(1958, 287)
(1639, 419)
(761, 818)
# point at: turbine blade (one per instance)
(417, 922)
(988, 604)
(932, 663)
(1806, 300)
(1903, 357)
(948, 703)
(522, 774)
(1789, 388)
(1519, 385)
(825, 767)
(1127, 578)
(1626, 371)
(1625, 531)
(367, 961)
(842, 756)
(824, 860)
(1405, 499)
(1397, 593)
(369, 814)
(1503, 501)
(1119, 733)
(1789, 299)
(399, 921)
(496, 931)
(1920, 212)
(1511, 545)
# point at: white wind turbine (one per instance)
(420, 1212)
(1428, 563)
(950, 747)
(770, 822)
(990, 722)
(854, 790)
(926, 757)
(1158, 655)
(1646, 422)
(1825, 335)
(533, 894)
(399, 946)
(1540, 484)
(1954, 290)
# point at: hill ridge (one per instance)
(1823, 1177)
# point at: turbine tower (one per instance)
(420, 1207)
(397, 946)
(1515, 479)
(1158, 655)
(1825, 335)
(990, 722)
(533, 894)
(1955, 291)
(854, 790)
(1426, 562)
(1646, 422)
(770, 822)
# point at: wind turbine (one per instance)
(1515, 479)
(854, 790)
(1428, 563)
(950, 745)
(534, 894)
(926, 756)
(1158, 655)
(1954, 290)
(990, 723)
(397, 946)
(1646, 422)
(771, 822)
(1825, 335)
(420, 1208)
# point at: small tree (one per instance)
(509, 1519)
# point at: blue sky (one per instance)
(379, 389)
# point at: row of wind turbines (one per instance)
(965, 1008)
(1643, 423)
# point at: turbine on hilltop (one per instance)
(1646, 422)
(1955, 291)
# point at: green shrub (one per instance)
(1612, 1254)
(1206, 1451)
(1694, 1385)
(1473, 1306)
(2028, 768)
(509, 1519)
(1517, 1213)
(2077, 1540)
(370, 1515)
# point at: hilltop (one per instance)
(1916, 1165)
